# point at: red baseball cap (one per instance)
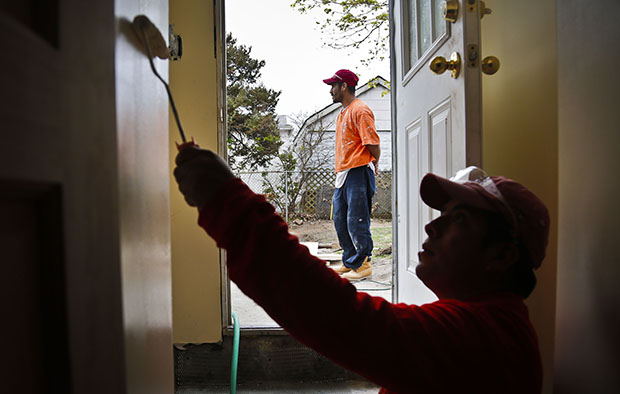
(514, 201)
(343, 75)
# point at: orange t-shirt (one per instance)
(355, 127)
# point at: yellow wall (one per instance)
(195, 258)
(520, 128)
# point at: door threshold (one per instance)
(255, 331)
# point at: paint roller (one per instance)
(155, 45)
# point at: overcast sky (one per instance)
(291, 45)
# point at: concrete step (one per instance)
(330, 257)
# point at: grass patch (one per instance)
(381, 236)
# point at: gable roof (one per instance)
(374, 82)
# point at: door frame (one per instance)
(219, 48)
(393, 109)
(219, 16)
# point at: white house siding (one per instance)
(385, 161)
(380, 105)
(286, 129)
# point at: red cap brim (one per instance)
(331, 80)
(436, 192)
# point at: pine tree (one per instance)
(253, 135)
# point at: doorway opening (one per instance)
(283, 147)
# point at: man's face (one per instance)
(336, 92)
(453, 256)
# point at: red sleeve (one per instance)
(404, 348)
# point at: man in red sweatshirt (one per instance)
(478, 259)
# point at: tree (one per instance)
(306, 155)
(253, 136)
(348, 24)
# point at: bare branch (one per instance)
(349, 24)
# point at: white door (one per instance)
(436, 117)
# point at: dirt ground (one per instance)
(323, 232)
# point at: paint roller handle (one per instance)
(186, 144)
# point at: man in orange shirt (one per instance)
(357, 163)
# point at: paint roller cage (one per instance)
(150, 37)
(155, 45)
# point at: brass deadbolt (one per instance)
(450, 10)
(489, 65)
(439, 65)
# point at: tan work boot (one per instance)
(340, 268)
(364, 271)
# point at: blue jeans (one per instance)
(352, 203)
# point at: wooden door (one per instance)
(84, 217)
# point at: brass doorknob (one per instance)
(450, 10)
(489, 65)
(439, 65)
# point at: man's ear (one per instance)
(344, 85)
(501, 256)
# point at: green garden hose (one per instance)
(235, 355)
